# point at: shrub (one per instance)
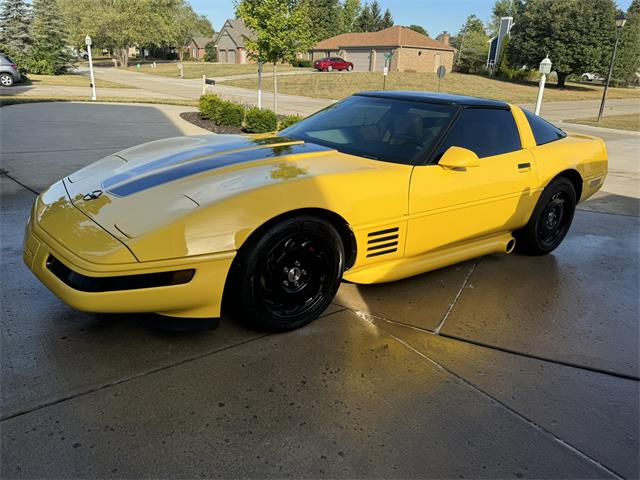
(229, 114)
(260, 121)
(209, 105)
(301, 63)
(289, 120)
(210, 52)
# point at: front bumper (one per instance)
(200, 296)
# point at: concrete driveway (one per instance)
(533, 371)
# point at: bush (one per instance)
(229, 114)
(289, 120)
(209, 105)
(301, 63)
(260, 121)
(210, 52)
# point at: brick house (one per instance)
(410, 50)
(230, 42)
(195, 49)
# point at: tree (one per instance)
(15, 20)
(576, 34)
(282, 29)
(325, 18)
(628, 57)
(210, 52)
(364, 22)
(472, 45)
(504, 8)
(349, 13)
(387, 20)
(376, 16)
(419, 29)
(120, 24)
(49, 54)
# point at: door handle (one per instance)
(524, 167)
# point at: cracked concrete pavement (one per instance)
(533, 374)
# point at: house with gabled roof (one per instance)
(196, 47)
(230, 42)
(398, 48)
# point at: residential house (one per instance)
(196, 47)
(400, 49)
(496, 42)
(230, 42)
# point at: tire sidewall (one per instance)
(249, 303)
(10, 77)
(534, 244)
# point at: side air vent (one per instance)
(382, 242)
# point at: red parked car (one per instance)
(330, 64)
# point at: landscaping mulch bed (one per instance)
(196, 119)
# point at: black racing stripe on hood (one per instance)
(190, 154)
(219, 161)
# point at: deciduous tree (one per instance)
(472, 45)
(504, 8)
(576, 34)
(628, 57)
(349, 13)
(325, 18)
(282, 29)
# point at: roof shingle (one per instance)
(396, 36)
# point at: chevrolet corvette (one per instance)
(375, 188)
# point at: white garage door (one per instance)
(232, 56)
(359, 58)
(380, 59)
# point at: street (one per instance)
(504, 366)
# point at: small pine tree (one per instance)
(15, 19)
(387, 19)
(49, 54)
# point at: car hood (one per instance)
(146, 187)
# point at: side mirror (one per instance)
(458, 157)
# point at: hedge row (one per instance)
(301, 63)
(254, 120)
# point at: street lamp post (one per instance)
(620, 21)
(545, 69)
(87, 41)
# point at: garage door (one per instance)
(380, 59)
(232, 56)
(222, 58)
(359, 58)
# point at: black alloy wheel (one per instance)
(287, 277)
(550, 221)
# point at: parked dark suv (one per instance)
(9, 73)
(330, 64)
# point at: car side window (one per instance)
(485, 131)
(543, 131)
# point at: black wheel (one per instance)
(6, 79)
(349, 68)
(550, 220)
(287, 277)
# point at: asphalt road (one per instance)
(533, 372)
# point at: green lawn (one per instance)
(197, 69)
(70, 81)
(621, 122)
(338, 85)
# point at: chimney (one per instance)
(444, 38)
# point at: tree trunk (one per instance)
(275, 88)
(561, 79)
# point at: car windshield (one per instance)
(378, 128)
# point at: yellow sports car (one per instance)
(378, 187)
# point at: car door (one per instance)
(449, 205)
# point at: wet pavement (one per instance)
(505, 366)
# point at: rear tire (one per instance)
(288, 276)
(6, 80)
(550, 220)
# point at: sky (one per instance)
(434, 15)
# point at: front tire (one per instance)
(6, 80)
(329, 68)
(349, 68)
(550, 220)
(288, 276)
